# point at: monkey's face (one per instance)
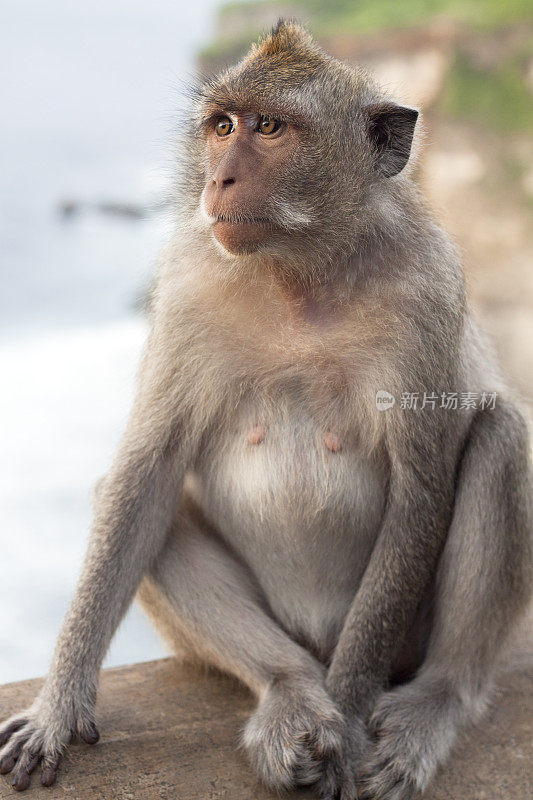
(247, 156)
(291, 153)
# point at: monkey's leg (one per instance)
(205, 601)
(483, 583)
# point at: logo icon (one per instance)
(384, 400)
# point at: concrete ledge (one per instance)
(169, 732)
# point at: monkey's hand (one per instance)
(296, 726)
(41, 733)
(340, 770)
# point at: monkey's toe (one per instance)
(23, 750)
(22, 773)
(49, 770)
(10, 727)
(11, 752)
(89, 733)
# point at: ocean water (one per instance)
(91, 93)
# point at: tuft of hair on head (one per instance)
(286, 55)
(289, 49)
(286, 34)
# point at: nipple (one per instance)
(332, 442)
(256, 435)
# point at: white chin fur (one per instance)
(221, 249)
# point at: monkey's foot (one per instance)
(296, 726)
(26, 739)
(413, 728)
(340, 770)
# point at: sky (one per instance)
(91, 94)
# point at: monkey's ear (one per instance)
(391, 129)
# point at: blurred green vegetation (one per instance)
(347, 16)
(229, 49)
(368, 16)
(494, 96)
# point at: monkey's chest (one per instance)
(301, 505)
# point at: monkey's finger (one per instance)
(49, 770)
(340, 794)
(380, 778)
(25, 766)
(393, 790)
(335, 783)
(334, 795)
(307, 769)
(89, 733)
(9, 728)
(374, 730)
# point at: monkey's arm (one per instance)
(414, 528)
(404, 558)
(133, 512)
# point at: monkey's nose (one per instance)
(223, 182)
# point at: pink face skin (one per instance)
(245, 154)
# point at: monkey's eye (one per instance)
(224, 126)
(268, 125)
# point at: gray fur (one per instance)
(317, 576)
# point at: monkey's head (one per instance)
(291, 151)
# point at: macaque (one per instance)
(357, 564)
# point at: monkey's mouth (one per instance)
(239, 219)
(241, 233)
